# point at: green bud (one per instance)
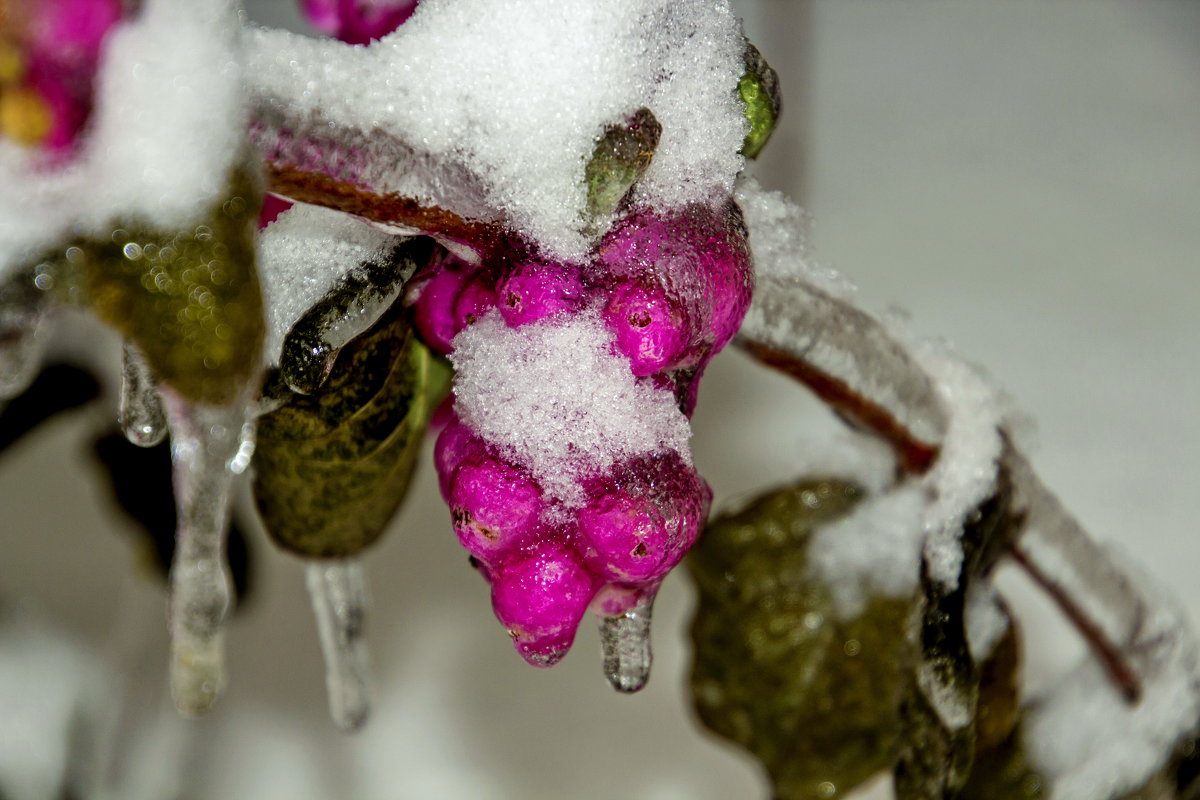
(620, 158)
(759, 91)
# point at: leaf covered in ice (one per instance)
(332, 467)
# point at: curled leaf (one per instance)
(332, 467)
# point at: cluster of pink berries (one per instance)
(672, 290)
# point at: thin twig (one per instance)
(1110, 656)
(914, 456)
(322, 190)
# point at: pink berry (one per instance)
(357, 21)
(642, 519)
(651, 330)
(435, 293)
(454, 444)
(475, 299)
(535, 290)
(493, 505)
(541, 598)
(699, 260)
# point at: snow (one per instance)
(1090, 743)
(166, 133)
(779, 240)
(557, 399)
(514, 114)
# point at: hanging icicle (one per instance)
(625, 639)
(339, 598)
(205, 446)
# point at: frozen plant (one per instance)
(561, 236)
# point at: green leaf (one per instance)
(816, 699)
(332, 467)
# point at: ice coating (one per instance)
(555, 398)
(167, 129)
(500, 131)
(302, 254)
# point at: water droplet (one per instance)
(140, 412)
(826, 789)
(132, 251)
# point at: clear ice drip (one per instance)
(141, 411)
(24, 307)
(339, 598)
(352, 306)
(626, 642)
(206, 443)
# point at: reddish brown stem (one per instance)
(1120, 672)
(913, 455)
(323, 190)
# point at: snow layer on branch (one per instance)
(964, 476)
(167, 129)
(1093, 745)
(878, 549)
(515, 93)
(557, 400)
(302, 255)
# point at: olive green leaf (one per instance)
(331, 467)
(814, 698)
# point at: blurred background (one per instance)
(1022, 178)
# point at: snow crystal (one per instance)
(515, 92)
(557, 399)
(302, 255)
(165, 135)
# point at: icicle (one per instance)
(206, 445)
(626, 642)
(141, 412)
(24, 303)
(339, 598)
